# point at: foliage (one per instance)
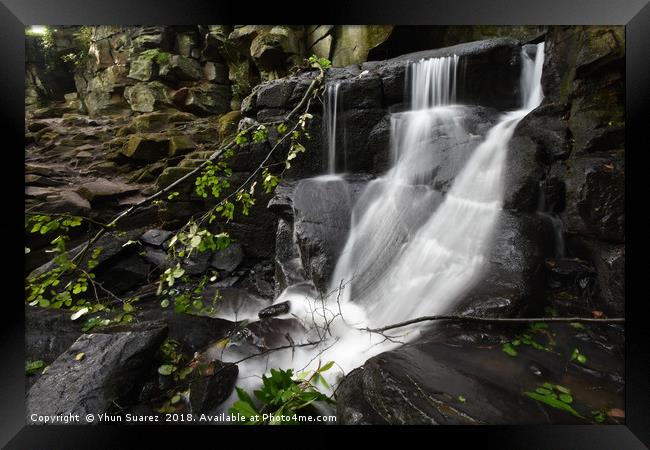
(65, 284)
(213, 179)
(157, 55)
(323, 63)
(555, 396)
(577, 356)
(282, 396)
(83, 38)
(33, 367)
(531, 337)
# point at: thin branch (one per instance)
(512, 320)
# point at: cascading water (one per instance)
(331, 107)
(411, 251)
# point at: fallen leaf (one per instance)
(597, 314)
(79, 356)
(616, 412)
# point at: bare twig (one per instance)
(512, 320)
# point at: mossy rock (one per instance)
(228, 124)
(171, 174)
(146, 148)
(180, 145)
(353, 42)
(159, 120)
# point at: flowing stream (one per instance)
(411, 250)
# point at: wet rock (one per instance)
(235, 304)
(275, 94)
(597, 120)
(275, 332)
(155, 237)
(274, 310)
(608, 260)
(110, 366)
(595, 193)
(490, 71)
(228, 259)
(362, 92)
(321, 224)
(156, 257)
(512, 278)
(193, 332)
(359, 125)
(206, 392)
(48, 333)
(462, 376)
(124, 274)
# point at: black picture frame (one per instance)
(15, 14)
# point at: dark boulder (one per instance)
(322, 209)
(460, 375)
(512, 277)
(206, 392)
(98, 369)
(48, 333)
(595, 194)
(358, 126)
(155, 237)
(228, 259)
(490, 71)
(608, 260)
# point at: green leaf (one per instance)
(166, 369)
(557, 404)
(244, 397)
(31, 367)
(582, 358)
(509, 350)
(566, 398)
(243, 408)
(562, 389)
(462, 399)
(326, 367)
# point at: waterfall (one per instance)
(433, 82)
(331, 108)
(412, 250)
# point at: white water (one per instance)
(331, 107)
(411, 251)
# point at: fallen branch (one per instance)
(512, 320)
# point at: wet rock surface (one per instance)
(462, 377)
(96, 370)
